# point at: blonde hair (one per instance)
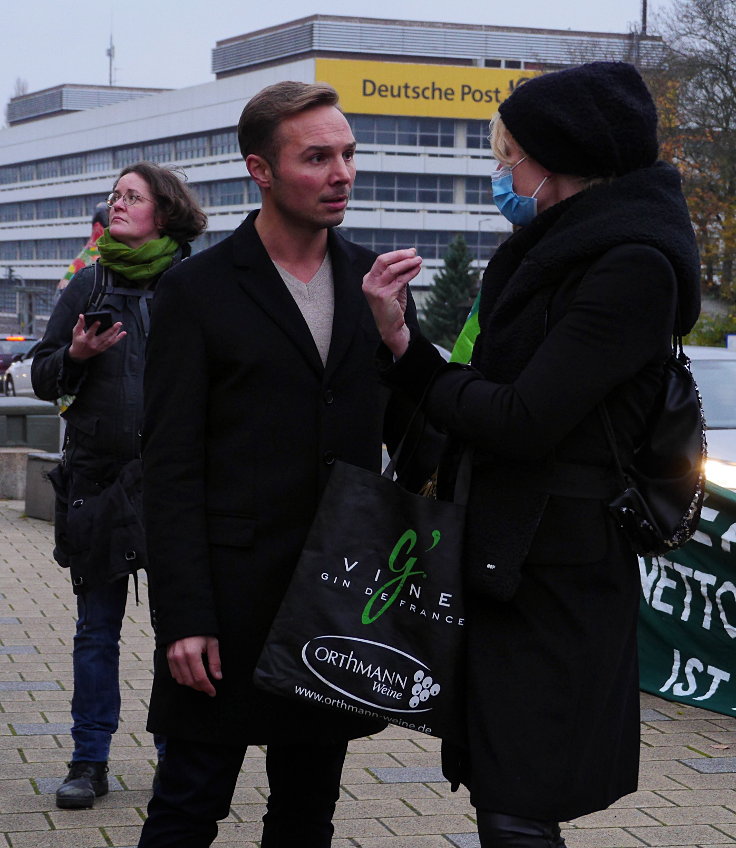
(501, 141)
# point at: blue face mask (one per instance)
(517, 208)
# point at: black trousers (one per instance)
(196, 787)
(497, 830)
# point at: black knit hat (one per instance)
(594, 120)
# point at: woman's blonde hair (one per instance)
(501, 141)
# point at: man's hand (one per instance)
(385, 288)
(86, 344)
(186, 664)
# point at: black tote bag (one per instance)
(372, 622)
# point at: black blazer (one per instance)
(242, 424)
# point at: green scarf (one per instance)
(136, 263)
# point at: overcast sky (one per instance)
(168, 43)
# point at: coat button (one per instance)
(328, 457)
(329, 397)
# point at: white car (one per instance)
(17, 378)
(714, 369)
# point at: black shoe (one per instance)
(84, 783)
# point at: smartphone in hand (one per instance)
(105, 319)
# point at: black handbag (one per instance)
(662, 490)
(372, 621)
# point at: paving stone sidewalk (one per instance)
(393, 793)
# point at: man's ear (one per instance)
(259, 169)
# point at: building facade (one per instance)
(418, 96)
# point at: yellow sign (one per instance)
(440, 91)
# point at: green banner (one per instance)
(687, 619)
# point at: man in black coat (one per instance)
(260, 374)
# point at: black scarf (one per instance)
(642, 207)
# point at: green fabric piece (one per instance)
(136, 263)
(463, 348)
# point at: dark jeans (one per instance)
(96, 662)
(497, 830)
(196, 787)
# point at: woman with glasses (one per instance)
(92, 357)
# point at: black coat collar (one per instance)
(263, 283)
(643, 207)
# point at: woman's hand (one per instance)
(85, 344)
(385, 288)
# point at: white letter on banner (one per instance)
(663, 583)
(675, 672)
(726, 587)
(728, 537)
(686, 572)
(647, 577)
(706, 580)
(679, 689)
(718, 675)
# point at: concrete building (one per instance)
(418, 95)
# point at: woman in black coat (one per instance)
(577, 309)
(95, 366)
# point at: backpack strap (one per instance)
(98, 288)
(104, 284)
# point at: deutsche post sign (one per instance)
(439, 91)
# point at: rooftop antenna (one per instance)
(110, 53)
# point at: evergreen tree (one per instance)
(449, 300)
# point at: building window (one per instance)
(159, 152)
(483, 245)
(191, 148)
(254, 193)
(419, 189)
(125, 156)
(430, 244)
(222, 193)
(47, 169)
(224, 142)
(9, 212)
(70, 165)
(46, 209)
(476, 135)
(27, 249)
(227, 193)
(100, 160)
(8, 251)
(47, 249)
(478, 191)
(72, 207)
(8, 174)
(27, 172)
(65, 207)
(410, 132)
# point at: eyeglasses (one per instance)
(130, 198)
